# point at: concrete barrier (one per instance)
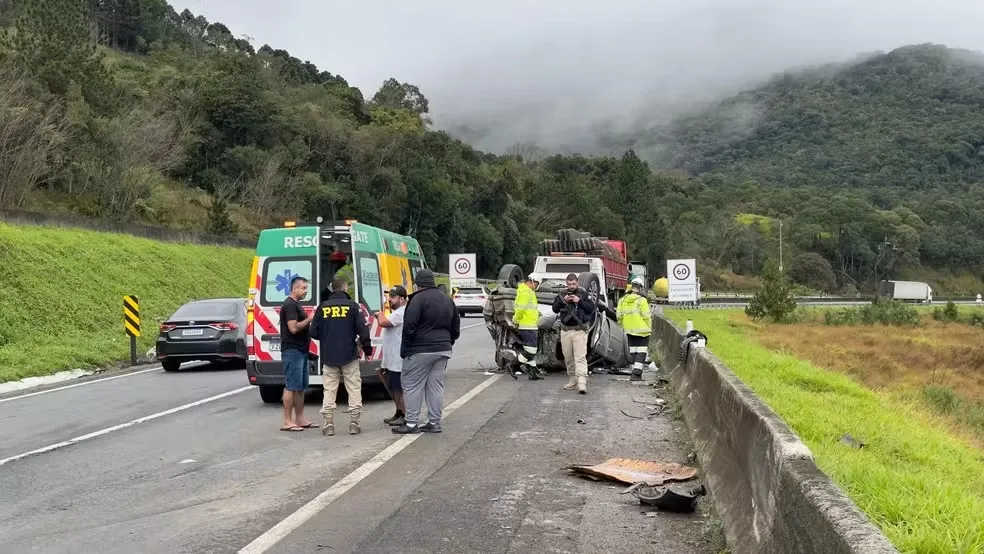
(762, 480)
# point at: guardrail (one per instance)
(480, 281)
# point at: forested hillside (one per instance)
(874, 165)
(125, 109)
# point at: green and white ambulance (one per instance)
(374, 260)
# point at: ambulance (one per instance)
(373, 260)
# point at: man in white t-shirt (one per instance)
(391, 368)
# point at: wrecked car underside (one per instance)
(608, 346)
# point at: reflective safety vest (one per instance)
(526, 314)
(633, 315)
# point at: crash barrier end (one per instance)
(762, 479)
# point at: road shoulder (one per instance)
(495, 481)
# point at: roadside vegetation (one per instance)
(913, 394)
(61, 293)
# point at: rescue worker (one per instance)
(340, 328)
(526, 314)
(634, 318)
(576, 311)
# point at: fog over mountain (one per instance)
(565, 75)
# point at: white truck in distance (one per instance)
(913, 291)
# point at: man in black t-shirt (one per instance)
(295, 343)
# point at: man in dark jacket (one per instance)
(431, 326)
(576, 311)
(338, 324)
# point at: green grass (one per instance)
(922, 487)
(61, 293)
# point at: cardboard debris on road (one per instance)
(625, 470)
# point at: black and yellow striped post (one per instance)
(131, 324)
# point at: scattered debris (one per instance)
(651, 514)
(675, 498)
(582, 422)
(656, 401)
(692, 337)
(629, 471)
(489, 373)
(652, 410)
(188, 461)
(851, 441)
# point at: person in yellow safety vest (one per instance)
(634, 318)
(526, 314)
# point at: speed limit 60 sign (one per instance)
(462, 270)
(682, 279)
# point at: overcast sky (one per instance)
(547, 70)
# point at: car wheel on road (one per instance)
(272, 395)
(171, 365)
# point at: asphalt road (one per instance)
(194, 462)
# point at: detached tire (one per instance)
(510, 276)
(590, 283)
(272, 395)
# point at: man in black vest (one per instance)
(338, 324)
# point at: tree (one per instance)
(813, 270)
(401, 96)
(219, 222)
(774, 299)
(51, 40)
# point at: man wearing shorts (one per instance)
(295, 342)
(392, 366)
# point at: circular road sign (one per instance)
(462, 266)
(681, 272)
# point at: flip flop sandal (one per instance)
(311, 425)
(293, 429)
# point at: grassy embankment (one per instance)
(61, 293)
(919, 477)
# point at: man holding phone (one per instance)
(576, 311)
(392, 366)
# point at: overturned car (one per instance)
(608, 346)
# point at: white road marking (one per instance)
(131, 423)
(267, 540)
(474, 325)
(93, 382)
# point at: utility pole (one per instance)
(780, 246)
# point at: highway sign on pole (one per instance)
(682, 279)
(462, 270)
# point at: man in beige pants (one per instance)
(576, 311)
(340, 328)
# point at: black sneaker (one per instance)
(636, 377)
(406, 430)
(430, 428)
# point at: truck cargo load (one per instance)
(612, 254)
